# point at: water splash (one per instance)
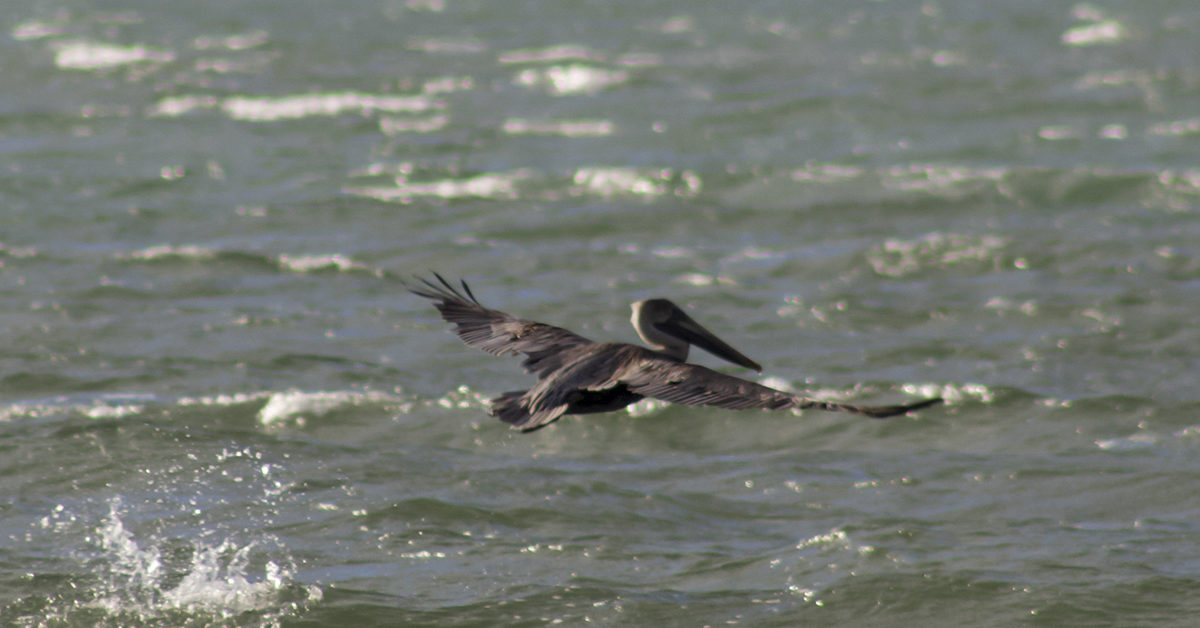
(137, 580)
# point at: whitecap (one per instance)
(177, 106)
(169, 251)
(561, 80)
(936, 178)
(223, 400)
(267, 109)
(552, 54)
(1102, 32)
(833, 537)
(242, 41)
(447, 84)
(501, 185)
(1177, 128)
(566, 128)
(294, 404)
(1126, 443)
(314, 263)
(26, 31)
(106, 407)
(395, 126)
(826, 173)
(608, 182)
(85, 55)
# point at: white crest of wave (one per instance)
(1101, 32)
(108, 406)
(561, 80)
(310, 263)
(502, 185)
(567, 128)
(291, 404)
(609, 182)
(553, 54)
(86, 55)
(35, 29)
(166, 251)
(327, 104)
(176, 106)
(395, 126)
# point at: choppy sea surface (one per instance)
(218, 405)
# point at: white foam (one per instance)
(394, 126)
(105, 411)
(34, 29)
(566, 128)
(291, 404)
(1177, 128)
(833, 537)
(112, 407)
(501, 185)
(1126, 443)
(176, 106)
(939, 179)
(1103, 32)
(327, 104)
(552, 54)
(562, 80)
(86, 55)
(608, 182)
(826, 173)
(167, 251)
(243, 41)
(311, 263)
(223, 400)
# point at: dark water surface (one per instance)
(218, 405)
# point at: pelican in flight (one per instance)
(580, 376)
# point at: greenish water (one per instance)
(219, 406)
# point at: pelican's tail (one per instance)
(507, 407)
(511, 408)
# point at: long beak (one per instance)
(681, 326)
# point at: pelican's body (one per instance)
(579, 376)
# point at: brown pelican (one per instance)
(579, 376)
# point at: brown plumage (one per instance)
(579, 376)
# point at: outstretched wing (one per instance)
(694, 385)
(496, 332)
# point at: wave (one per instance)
(165, 254)
(88, 55)
(246, 108)
(604, 182)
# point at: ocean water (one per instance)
(219, 406)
